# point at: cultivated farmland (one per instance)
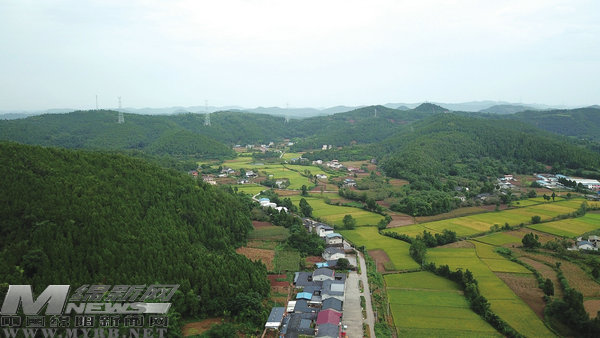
(425, 305)
(503, 301)
(474, 224)
(571, 227)
(334, 214)
(371, 239)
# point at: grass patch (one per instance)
(334, 214)
(286, 260)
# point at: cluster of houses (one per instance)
(334, 164)
(592, 243)
(507, 182)
(317, 308)
(266, 203)
(551, 181)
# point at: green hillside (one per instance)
(78, 217)
(580, 123)
(100, 130)
(456, 145)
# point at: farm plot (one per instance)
(571, 227)
(495, 261)
(372, 240)
(250, 189)
(334, 214)
(469, 225)
(498, 239)
(424, 304)
(286, 260)
(264, 255)
(503, 301)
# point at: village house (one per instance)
(328, 331)
(323, 230)
(333, 289)
(333, 253)
(275, 318)
(334, 239)
(323, 274)
(250, 174)
(317, 162)
(321, 176)
(349, 182)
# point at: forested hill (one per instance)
(580, 123)
(99, 130)
(80, 217)
(364, 125)
(456, 145)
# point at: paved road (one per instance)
(352, 310)
(370, 320)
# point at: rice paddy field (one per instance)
(334, 214)
(571, 227)
(503, 301)
(372, 240)
(470, 225)
(498, 239)
(426, 305)
(495, 261)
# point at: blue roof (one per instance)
(561, 176)
(304, 295)
(322, 265)
(584, 242)
(334, 234)
(264, 199)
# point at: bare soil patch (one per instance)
(258, 224)
(254, 254)
(282, 192)
(380, 257)
(546, 272)
(399, 220)
(314, 259)
(592, 307)
(527, 289)
(197, 328)
(459, 244)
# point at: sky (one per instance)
(62, 53)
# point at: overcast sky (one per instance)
(61, 53)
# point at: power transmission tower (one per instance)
(96, 101)
(207, 114)
(375, 111)
(121, 117)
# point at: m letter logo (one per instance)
(54, 295)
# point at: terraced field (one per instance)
(503, 301)
(334, 214)
(470, 225)
(495, 261)
(372, 240)
(425, 305)
(571, 227)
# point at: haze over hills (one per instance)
(294, 112)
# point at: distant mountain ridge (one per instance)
(296, 113)
(506, 109)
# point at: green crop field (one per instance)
(503, 301)
(469, 225)
(273, 233)
(334, 214)
(571, 227)
(498, 238)
(286, 260)
(251, 189)
(419, 280)
(426, 305)
(371, 239)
